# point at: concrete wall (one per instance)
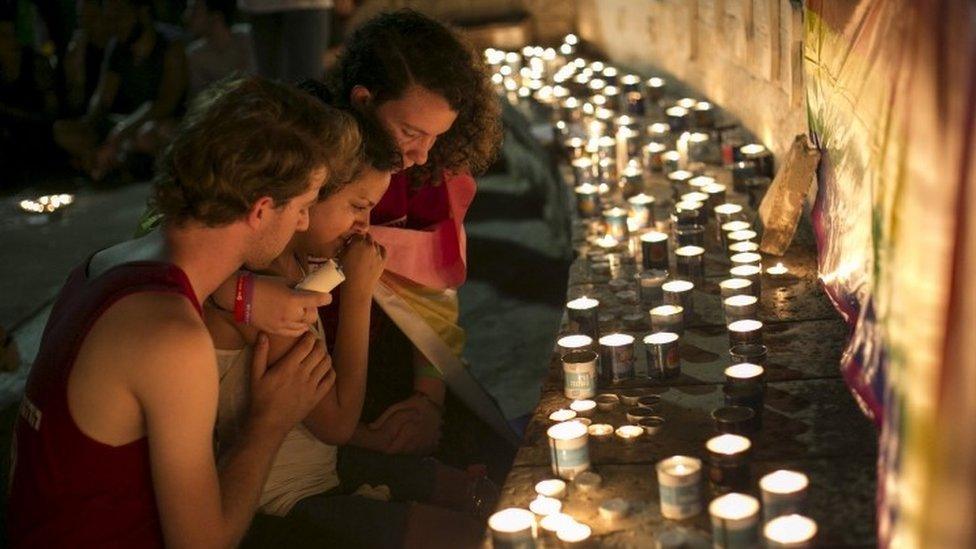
(744, 55)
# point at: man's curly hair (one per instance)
(395, 50)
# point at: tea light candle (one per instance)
(584, 420)
(617, 357)
(751, 273)
(654, 250)
(691, 262)
(587, 200)
(543, 506)
(583, 407)
(580, 373)
(670, 161)
(777, 271)
(615, 220)
(573, 342)
(731, 227)
(735, 521)
(642, 209)
(614, 509)
(632, 175)
(562, 415)
(629, 433)
(588, 481)
(652, 155)
(600, 431)
(667, 318)
(745, 331)
(607, 401)
(727, 212)
(736, 420)
(740, 307)
(551, 488)
(734, 237)
(679, 480)
(649, 286)
(740, 247)
(784, 492)
(663, 358)
(678, 292)
(512, 528)
(790, 532)
(649, 401)
(746, 258)
(573, 534)
(582, 313)
(629, 396)
(651, 424)
(638, 413)
(551, 523)
(607, 241)
(752, 353)
(728, 466)
(734, 286)
(568, 449)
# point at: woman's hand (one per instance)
(362, 262)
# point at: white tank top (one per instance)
(304, 466)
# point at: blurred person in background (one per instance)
(220, 48)
(290, 37)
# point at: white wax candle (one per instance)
(655, 82)
(679, 479)
(752, 149)
(701, 181)
(653, 236)
(582, 407)
(728, 209)
(641, 199)
(741, 300)
(617, 340)
(629, 433)
(655, 148)
(746, 258)
(715, 188)
(686, 102)
(734, 284)
(735, 521)
(784, 481)
(512, 526)
(689, 251)
(747, 325)
(607, 242)
(661, 338)
(676, 111)
(575, 532)
(678, 285)
(552, 523)
(562, 415)
(544, 506)
(733, 226)
(551, 488)
(777, 270)
(575, 341)
(680, 175)
(743, 246)
(324, 279)
(583, 303)
(744, 234)
(694, 196)
(728, 444)
(744, 371)
(600, 430)
(790, 531)
(745, 271)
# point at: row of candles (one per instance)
(601, 116)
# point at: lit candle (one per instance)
(744, 235)
(679, 181)
(740, 307)
(742, 172)
(704, 114)
(745, 331)
(760, 157)
(698, 147)
(784, 492)
(690, 263)
(668, 318)
(746, 258)
(670, 161)
(629, 433)
(679, 481)
(740, 247)
(600, 431)
(583, 407)
(735, 225)
(582, 314)
(642, 209)
(568, 449)
(654, 250)
(651, 424)
(734, 286)
(649, 286)
(573, 342)
(728, 463)
(679, 292)
(752, 353)
(777, 270)
(749, 272)
(727, 212)
(614, 509)
(681, 145)
(688, 212)
(745, 377)
(580, 373)
(677, 117)
(663, 358)
(544, 506)
(587, 199)
(637, 413)
(575, 533)
(617, 357)
(686, 102)
(562, 415)
(652, 155)
(551, 488)
(736, 420)
(790, 532)
(616, 224)
(686, 234)
(608, 242)
(694, 196)
(512, 528)
(716, 194)
(551, 523)
(655, 88)
(735, 521)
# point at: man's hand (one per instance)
(281, 310)
(283, 394)
(362, 262)
(414, 425)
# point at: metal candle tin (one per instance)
(582, 313)
(750, 352)
(616, 357)
(679, 292)
(580, 374)
(690, 263)
(668, 318)
(679, 481)
(663, 358)
(745, 331)
(654, 250)
(740, 307)
(649, 284)
(735, 521)
(728, 461)
(784, 492)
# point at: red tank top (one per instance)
(66, 488)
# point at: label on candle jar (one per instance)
(568, 449)
(679, 502)
(580, 371)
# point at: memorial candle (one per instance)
(562, 415)
(760, 157)
(735, 521)
(580, 373)
(551, 488)
(790, 532)
(568, 450)
(668, 318)
(649, 284)
(679, 292)
(654, 250)
(725, 213)
(642, 209)
(745, 374)
(616, 357)
(582, 313)
(734, 286)
(670, 161)
(615, 220)
(574, 342)
(512, 528)
(784, 492)
(704, 114)
(584, 407)
(690, 263)
(740, 307)
(728, 461)
(741, 247)
(574, 534)
(544, 506)
(679, 481)
(655, 88)
(677, 117)
(587, 200)
(745, 331)
(652, 155)
(749, 272)
(663, 358)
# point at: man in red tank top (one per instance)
(114, 444)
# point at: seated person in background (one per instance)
(309, 480)
(27, 101)
(141, 88)
(219, 49)
(114, 442)
(83, 60)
